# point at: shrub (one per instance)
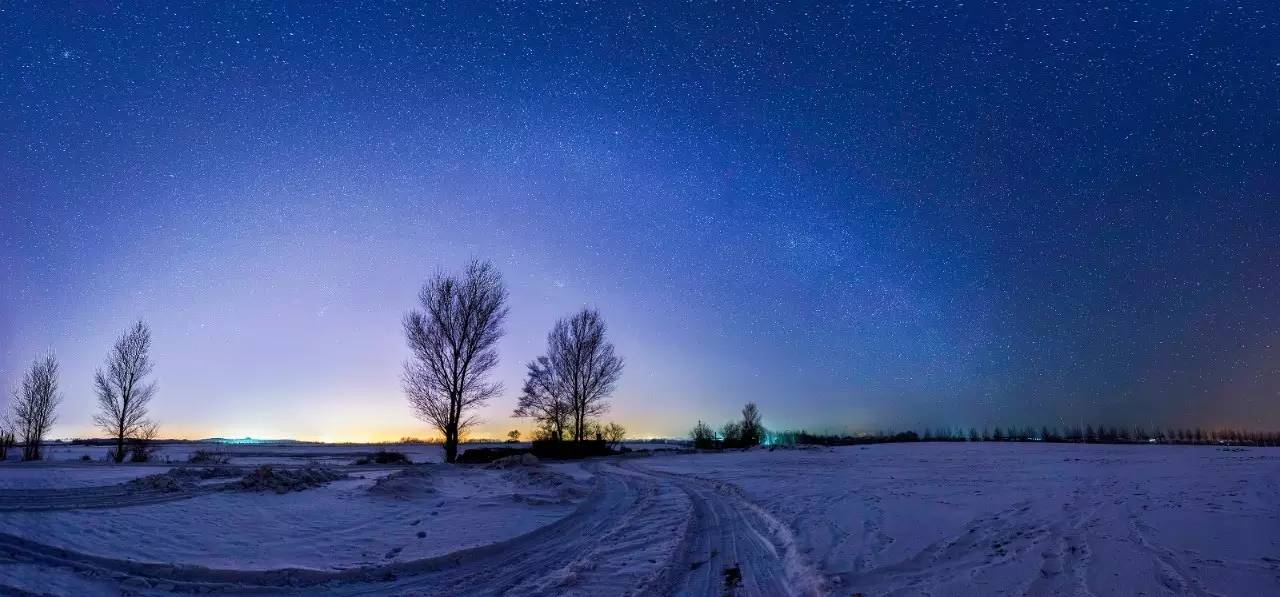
(704, 438)
(613, 434)
(141, 452)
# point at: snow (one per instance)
(340, 525)
(49, 477)
(964, 519)
(935, 518)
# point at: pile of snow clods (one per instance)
(535, 483)
(285, 480)
(404, 484)
(515, 460)
(180, 479)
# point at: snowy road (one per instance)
(640, 532)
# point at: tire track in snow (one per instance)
(126, 494)
(730, 532)
(640, 532)
(94, 498)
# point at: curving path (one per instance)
(640, 532)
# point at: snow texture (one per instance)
(904, 519)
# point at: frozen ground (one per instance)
(905, 519)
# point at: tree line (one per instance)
(1088, 434)
(453, 336)
(748, 431)
(122, 391)
(745, 432)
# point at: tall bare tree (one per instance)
(751, 429)
(454, 343)
(35, 403)
(123, 393)
(581, 363)
(545, 398)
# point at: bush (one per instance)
(704, 438)
(731, 435)
(613, 434)
(141, 453)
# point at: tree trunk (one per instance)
(450, 448)
(119, 455)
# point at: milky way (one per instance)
(860, 216)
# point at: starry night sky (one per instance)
(861, 216)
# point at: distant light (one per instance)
(245, 440)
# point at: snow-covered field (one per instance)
(900, 519)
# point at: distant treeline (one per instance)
(1089, 434)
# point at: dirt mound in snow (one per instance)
(180, 479)
(283, 480)
(539, 485)
(405, 484)
(513, 461)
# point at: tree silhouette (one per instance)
(34, 405)
(704, 437)
(123, 397)
(545, 398)
(453, 339)
(580, 368)
(751, 430)
(613, 434)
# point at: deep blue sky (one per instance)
(860, 216)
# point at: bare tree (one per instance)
(6, 441)
(6, 426)
(123, 395)
(751, 430)
(613, 434)
(513, 435)
(35, 403)
(582, 365)
(453, 340)
(545, 398)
